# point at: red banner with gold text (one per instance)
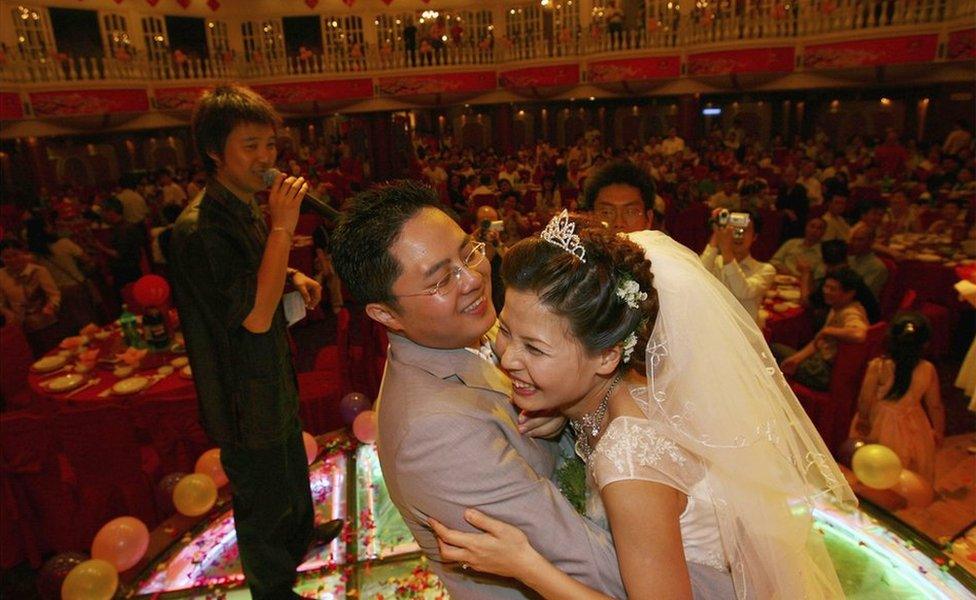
(752, 60)
(441, 83)
(550, 76)
(962, 45)
(312, 91)
(634, 69)
(871, 53)
(88, 102)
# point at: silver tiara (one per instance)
(560, 232)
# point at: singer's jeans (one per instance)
(273, 512)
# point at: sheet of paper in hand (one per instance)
(294, 307)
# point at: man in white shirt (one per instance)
(134, 207)
(798, 254)
(672, 144)
(726, 198)
(808, 178)
(172, 192)
(958, 139)
(728, 257)
(509, 172)
(837, 227)
(435, 173)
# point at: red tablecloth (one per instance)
(792, 327)
(172, 386)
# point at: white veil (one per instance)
(713, 381)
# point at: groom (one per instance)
(448, 437)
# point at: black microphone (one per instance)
(309, 200)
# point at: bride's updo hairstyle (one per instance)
(585, 293)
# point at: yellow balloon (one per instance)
(195, 494)
(876, 466)
(93, 579)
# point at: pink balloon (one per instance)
(209, 464)
(311, 446)
(121, 542)
(365, 427)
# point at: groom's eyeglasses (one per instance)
(446, 283)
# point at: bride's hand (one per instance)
(501, 550)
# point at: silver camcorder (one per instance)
(738, 221)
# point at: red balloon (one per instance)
(151, 290)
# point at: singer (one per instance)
(229, 270)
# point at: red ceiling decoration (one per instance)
(349, 2)
(183, 3)
(213, 4)
(311, 3)
(153, 3)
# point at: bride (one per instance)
(696, 450)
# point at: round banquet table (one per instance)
(162, 387)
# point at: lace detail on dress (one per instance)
(623, 444)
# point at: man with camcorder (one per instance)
(728, 257)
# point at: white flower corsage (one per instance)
(629, 291)
(630, 342)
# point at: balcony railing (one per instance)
(725, 21)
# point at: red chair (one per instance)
(17, 359)
(832, 411)
(689, 227)
(37, 510)
(174, 430)
(891, 292)
(114, 473)
(767, 241)
(320, 390)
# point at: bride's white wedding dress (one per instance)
(634, 448)
(723, 427)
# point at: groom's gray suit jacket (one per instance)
(448, 440)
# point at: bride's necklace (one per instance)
(589, 424)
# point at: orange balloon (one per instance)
(365, 427)
(194, 495)
(311, 446)
(122, 542)
(914, 488)
(209, 464)
(93, 579)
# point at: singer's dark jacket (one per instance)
(246, 383)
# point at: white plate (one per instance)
(186, 372)
(64, 383)
(49, 363)
(789, 294)
(179, 362)
(130, 385)
(785, 279)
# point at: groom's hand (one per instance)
(541, 424)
